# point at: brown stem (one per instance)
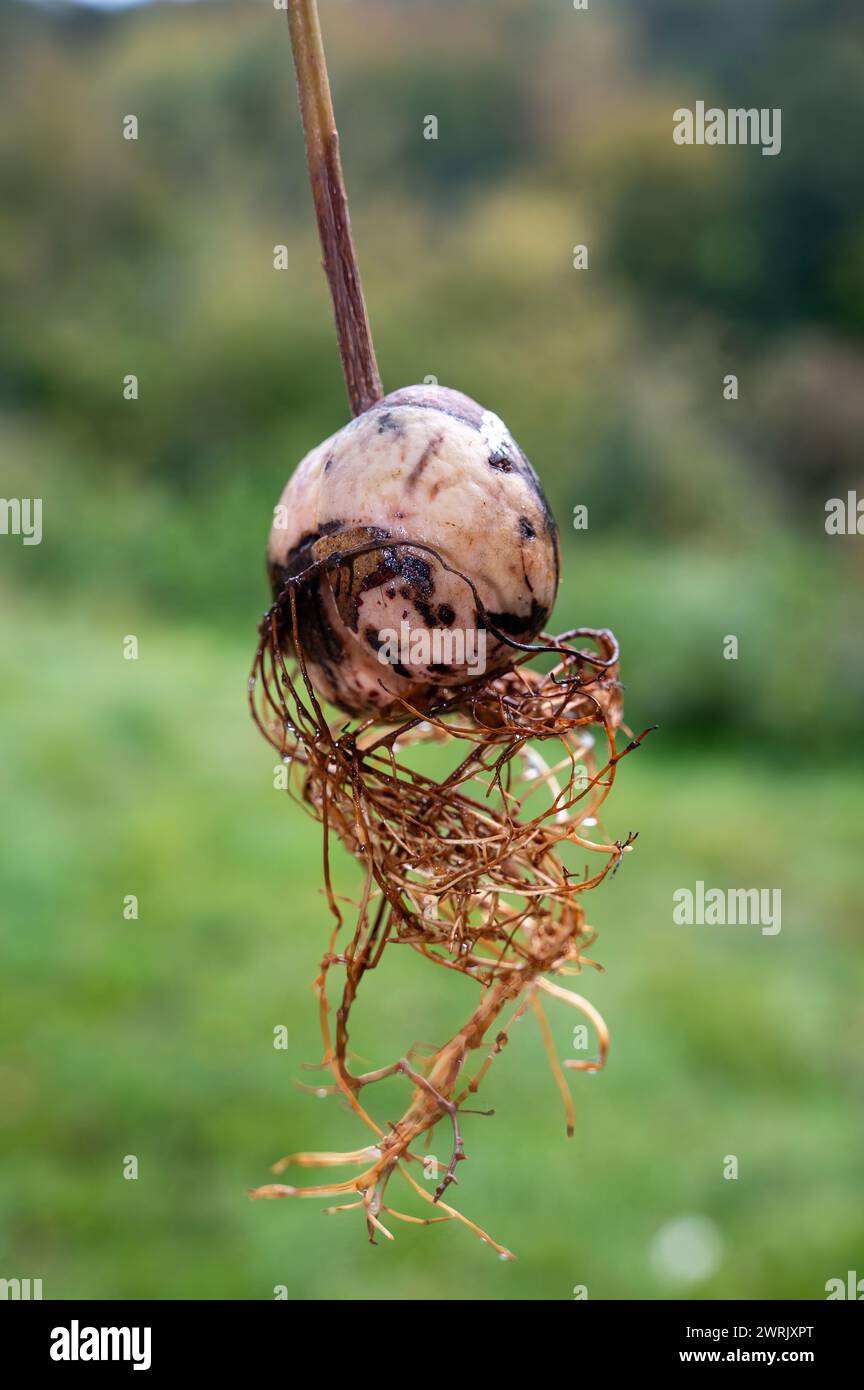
(331, 208)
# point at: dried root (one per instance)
(458, 869)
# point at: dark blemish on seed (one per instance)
(374, 638)
(329, 463)
(392, 566)
(321, 644)
(527, 533)
(299, 556)
(548, 519)
(400, 671)
(445, 615)
(352, 575)
(425, 611)
(427, 455)
(387, 423)
(500, 460)
(514, 624)
(386, 568)
(440, 669)
(418, 574)
(404, 610)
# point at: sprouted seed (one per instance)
(423, 511)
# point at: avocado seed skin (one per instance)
(429, 465)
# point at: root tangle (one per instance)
(457, 869)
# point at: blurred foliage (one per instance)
(706, 517)
(155, 257)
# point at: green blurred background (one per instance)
(706, 518)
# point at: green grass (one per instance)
(154, 1037)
